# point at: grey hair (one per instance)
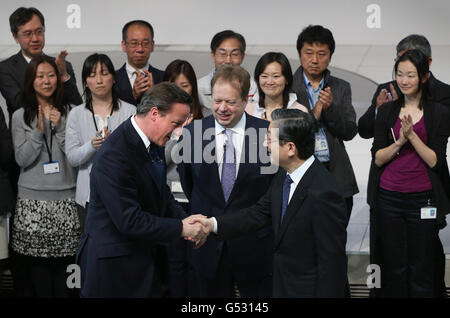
(162, 96)
(415, 42)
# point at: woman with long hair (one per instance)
(45, 228)
(90, 124)
(408, 150)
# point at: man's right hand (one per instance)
(142, 83)
(383, 96)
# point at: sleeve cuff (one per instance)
(215, 225)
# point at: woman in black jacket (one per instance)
(408, 150)
(7, 197)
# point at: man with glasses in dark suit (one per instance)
(137, 75)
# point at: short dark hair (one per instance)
(173, 70)
(420, 61)
(316, 33)
(227, 34)
(89, 66)
(237, 76)
(162, 96)
(23, 15)
(136, 22)
(415, 42)
(297, 127)
(29, 98)
(286, 70)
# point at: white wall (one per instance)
(262, 22)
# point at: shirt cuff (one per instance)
(215, 225)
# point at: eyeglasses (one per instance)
(134, 44)
(234, 55)
(28, 34)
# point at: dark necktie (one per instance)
(157, 162)
(286, 190)
(228, 165)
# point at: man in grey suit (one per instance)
(28, 29)
(329, 99)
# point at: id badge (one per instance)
(51, 167)
(321, 143)
(176, 187)
(428, 212)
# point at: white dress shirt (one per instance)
(141, 134)
(238, 134)
(131, 72)
(296, 177)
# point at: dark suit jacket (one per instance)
(6, 158)
(339, 121)
(130, 214)
(12, 77)
(250, 255)
(309, 257)
(437, 120)
(123, 86)
(440, 93)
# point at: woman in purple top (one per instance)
(409, 147)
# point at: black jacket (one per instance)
(7, 200)
(309, 257)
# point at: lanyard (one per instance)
(311, 101)
(95, 122)
(49, 149)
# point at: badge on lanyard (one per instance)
(51, 166)
(321, 143)
(428, 212)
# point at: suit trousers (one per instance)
(408, 245)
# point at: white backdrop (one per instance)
(262, 22)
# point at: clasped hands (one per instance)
(196, 228)
(406, 131)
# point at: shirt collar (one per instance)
(130, 69)
(309, 84)
(239, 128)
(298, 174)
(141, 134)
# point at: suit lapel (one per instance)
(20, 67)
(125, 87)
(143, 156)
(295, 204)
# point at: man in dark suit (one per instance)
(306, 210)
(330, 100)
(137, 75)
(28, 29)
(132, 214)
(227, 178)
(440, 93)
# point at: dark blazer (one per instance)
(309, 257)
(7, 201)
(440, 93)
(130, 214)
(340, 125)
(123, 86)
(437, 120)
(12, 77)
(250, 255)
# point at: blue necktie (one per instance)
(286, 190)
(228, 166)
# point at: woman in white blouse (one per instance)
(90, 124)
(273, 74)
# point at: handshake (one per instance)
(196, 228)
